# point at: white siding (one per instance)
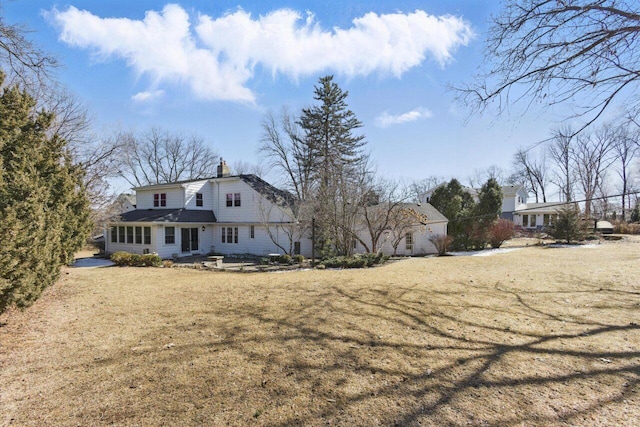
(421, 243)
(111, 247)
(261, 244)
(202, 187)
(175, 198)
(253, 206)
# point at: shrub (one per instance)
(284, 259)
(121, 258)
(568, 226)
(500, 231)
(358, 261)
(150, 260)
(373, 259)
(135, 260)
(298, 258)
(621, 227)
(441, 242)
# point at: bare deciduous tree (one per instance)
(532, 173)
(553, 52)
(379, 204)
(23, 63)
(242, 167)
(560, 150)
(480, 176)
(592, 156)
(626, 149)
(286, 216)
(419, 188)
(157, 157)
(283, 148)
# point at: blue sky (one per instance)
(214, 68)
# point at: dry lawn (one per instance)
(537, 336)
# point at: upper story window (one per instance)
(233, 199)
(199, 199)
(159, 199)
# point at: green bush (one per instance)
(284, 259)
(135, 260)
(358, 261)
(299, 259)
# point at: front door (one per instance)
(189, 239)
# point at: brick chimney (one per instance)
(223, 169)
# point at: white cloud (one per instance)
(147, 96)
(385, 119)
(217, 57)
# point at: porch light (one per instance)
(203, 228)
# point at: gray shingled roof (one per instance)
(167, 215)
(273, 194)
(433, 215)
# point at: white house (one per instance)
(227, 214)
(409, 240)
(535, 216)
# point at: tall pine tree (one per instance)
(44, 209)
(338, 162)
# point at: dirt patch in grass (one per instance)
(537, 336)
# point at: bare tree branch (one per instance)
(553, 51)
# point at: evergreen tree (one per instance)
(43, 204)
(568, 226)
(457, 205)
(337, 162)
(487, 211)
(635, 213)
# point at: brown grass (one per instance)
(537, 336)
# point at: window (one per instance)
(169, 235)
(130, 235)
(159, 199)
(114, 234)
(229, 234)
(252, 232)
(138, 235)
(408, 240)
(233, 199)
(546, 219)
(121, 234)
(199, 199)
(296, 248)
(354, 244)
(525, 220)
(147, 235)
(533, 220)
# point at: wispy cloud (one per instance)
(217, 57)
(147, 96)
(385, 119)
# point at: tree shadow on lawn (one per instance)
(394, 356)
